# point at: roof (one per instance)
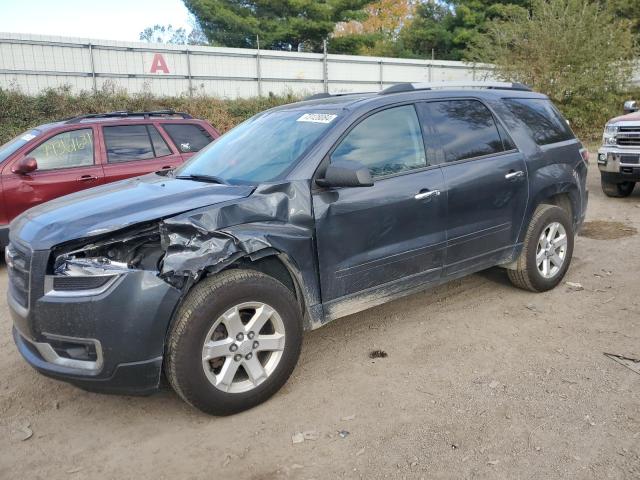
(415, 91)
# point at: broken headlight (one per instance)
(95, 266)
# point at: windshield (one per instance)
(261, 149)
(13, 145)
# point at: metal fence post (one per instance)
(93, 69)
(325, 66)
(189, 72)
(381, 77)
(258, 67)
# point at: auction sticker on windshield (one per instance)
(317, 117)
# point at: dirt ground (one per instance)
(480, 381)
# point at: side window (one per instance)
(387, 142)
(65, 150)
(160, 147)
(507, 141)
(188, 137)
(466, 129)
(127, 143)
(544, 121)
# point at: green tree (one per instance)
(449, 27)
(281, 24)
(175, 36)
(432, 29)
(629, 9)
(164, 34)
(575, 51)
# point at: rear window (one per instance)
(543, 119)
(15, 144)
(187, 137)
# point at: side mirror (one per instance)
(346, 173)
(630, 106)
(25, 165)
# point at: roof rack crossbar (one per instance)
(409, 87)
(125, 113)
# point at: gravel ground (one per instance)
(480, 381)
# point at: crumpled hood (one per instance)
(115, 206)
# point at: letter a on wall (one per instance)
(158, 64)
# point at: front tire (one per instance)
(235, 341)
(617, 190)
(547, 250)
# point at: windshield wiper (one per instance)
(202, 178)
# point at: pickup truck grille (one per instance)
(628, 136)
(19, 267)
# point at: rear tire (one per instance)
(547, 250)
(617, 190)
(235, 341)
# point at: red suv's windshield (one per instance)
(13, 145)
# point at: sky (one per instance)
(104, 19)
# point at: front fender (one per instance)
(275, 220)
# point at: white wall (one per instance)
(34, 62)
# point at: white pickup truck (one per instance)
(619, 156)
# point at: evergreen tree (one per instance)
(281, 24)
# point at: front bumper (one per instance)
(122, 328)
(619, 161)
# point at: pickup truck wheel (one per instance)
(617, 190)
(235, 341)
(547, 250)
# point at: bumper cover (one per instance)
(127, 323)
(622, 162)
(136, 378)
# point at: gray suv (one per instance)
(209, 275)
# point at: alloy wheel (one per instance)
(243, 347)
(551, 251)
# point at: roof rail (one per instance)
(124, 114)
(410, 87)
(317, 96)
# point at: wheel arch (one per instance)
(275, 264)
(565, 195)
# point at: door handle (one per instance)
(168, 167)
(428, 194)
(86, 178)
(512, 175)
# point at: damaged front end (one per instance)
(275, 221)
(97, 265)
(105, 306)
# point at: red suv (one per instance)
(82, 152)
